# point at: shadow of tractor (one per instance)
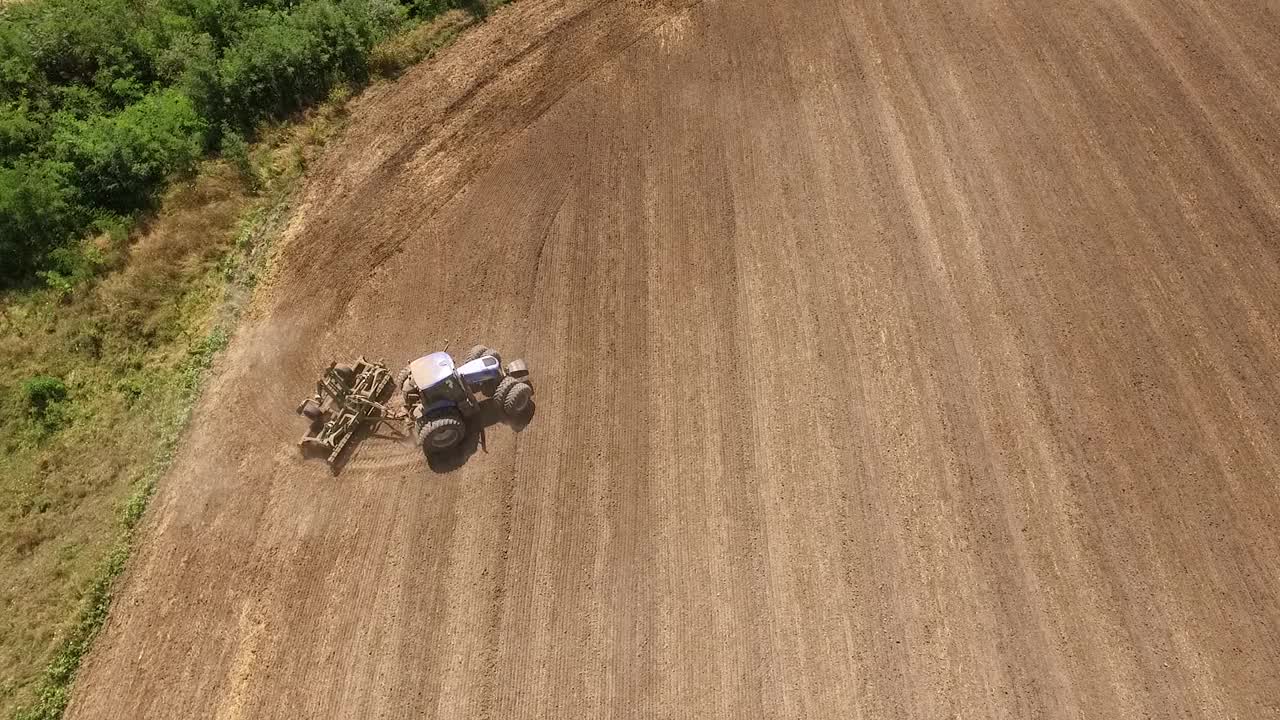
(490, 414)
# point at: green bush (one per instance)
(269, 71)
(20, 129)
(18, 71)
(197, 75)
(123, 157)
(46, 403)
(71, 264)
(43, 391)
(236, 151)
(284, 61)
(105, 45)
(215, 19)
(38, 210)
(101, 101)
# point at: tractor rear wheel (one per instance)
(516, 400)
(478, 351)
(441, 433)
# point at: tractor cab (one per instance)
(438, 385)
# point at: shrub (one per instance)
(269, 71)
(284, 61)
(343, 33)
(43, 390)
(428, 9)
(393, 56)
(18, 72)
(71, 264)
(123, 157)
(196, 74)
(20, 129)
(38, 212)
(105, 45)
(215, 19)
(236, 152)
(102, 100)
(389, 59)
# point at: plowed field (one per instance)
(894, 360)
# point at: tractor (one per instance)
(440, 396)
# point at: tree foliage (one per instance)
(123, 156)
(103, 101)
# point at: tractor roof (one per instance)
(431, 369)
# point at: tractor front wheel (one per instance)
(517, 398)
(441, 433)
(504, 386)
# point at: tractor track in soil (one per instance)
(893, 360)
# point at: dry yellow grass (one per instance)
(117, 347)
(124, 347)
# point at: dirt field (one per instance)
(894, 360)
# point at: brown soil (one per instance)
(894, 359)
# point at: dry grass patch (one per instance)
(129, 350)
(401, 52)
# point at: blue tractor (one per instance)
(440, 396)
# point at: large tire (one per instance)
(515, 401)
(476, 352)
(504, 385)
(441, 433)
